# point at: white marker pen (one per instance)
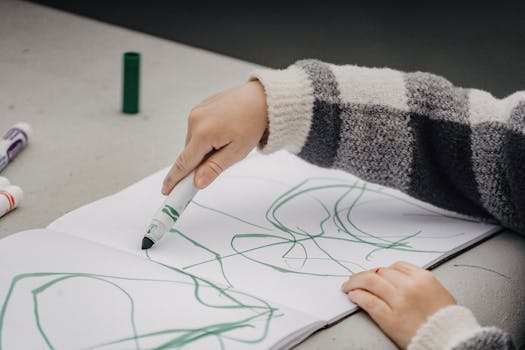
(10, 197)
(169, 212)
(4, 182)
(14, 140)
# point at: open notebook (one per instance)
(255, 261)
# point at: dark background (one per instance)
(477, 45)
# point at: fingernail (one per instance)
(166, 184)
(203, 181)
(165, 188)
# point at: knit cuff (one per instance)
(445, 329)
(289, 100)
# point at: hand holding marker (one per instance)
(169, 212)
(222, 130)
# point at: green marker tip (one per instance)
(147, 243)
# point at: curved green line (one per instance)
(47, 285)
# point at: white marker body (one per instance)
(4, 182)
(172, 208)
(10, 197)
(14, 140)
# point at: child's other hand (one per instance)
(399, 298)
(231, 123)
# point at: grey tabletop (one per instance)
(62, 74)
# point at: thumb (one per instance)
(215, 164)
(187, 160)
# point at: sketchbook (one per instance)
(256, 261)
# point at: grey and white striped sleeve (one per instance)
(460, 149)
(454, 327)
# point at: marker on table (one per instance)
(4, 182)
(169, 212)
(10, 197)
(131, 83)
(14, 140)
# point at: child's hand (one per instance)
(231, 123)
(399, 298)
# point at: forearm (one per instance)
(460, 149)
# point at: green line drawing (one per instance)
(302, 245)
(261, 311)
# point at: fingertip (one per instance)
(202, 181)
(165, 191)
(167, 185)
(359, 297)
(204, 177)
(347, 286)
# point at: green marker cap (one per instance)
(131, 83)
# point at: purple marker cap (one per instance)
(13, 141)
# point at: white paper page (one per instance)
(62, 292)
(282, 229)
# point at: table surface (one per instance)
(62, 74)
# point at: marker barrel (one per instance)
(172, 208)
(10, 197)
(4, 182)
(14, 140)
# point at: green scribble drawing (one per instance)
(301, 247)
(304, 246)
(261, 311)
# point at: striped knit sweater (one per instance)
(459, 149)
